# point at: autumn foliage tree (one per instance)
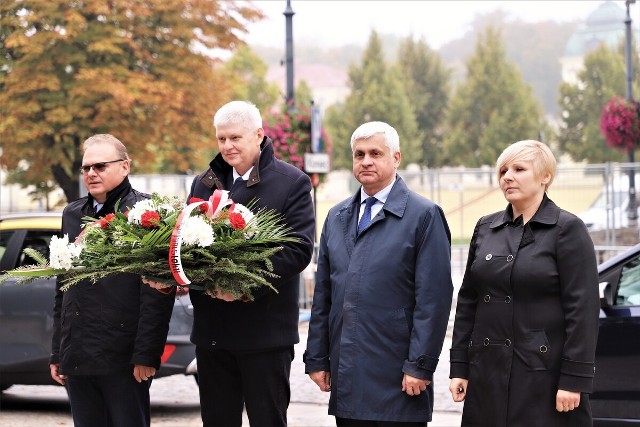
(136, 69)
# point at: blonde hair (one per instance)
(539, 154)
(105, 138)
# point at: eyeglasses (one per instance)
(98, 167)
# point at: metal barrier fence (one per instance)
(598, 193)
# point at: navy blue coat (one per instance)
(381, 306)
(271, 320)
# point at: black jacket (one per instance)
(272, 319)
(527, 319)
(115, 323)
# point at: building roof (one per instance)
(604, 25)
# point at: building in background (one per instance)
(604, 25)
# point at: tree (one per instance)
(247, 73)
(492, 108)
(581, 103)
(135, 69)
(377, 93)
(427, 82)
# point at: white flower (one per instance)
(135, 214)
(248, 216)
(62, 253)
(196, 231)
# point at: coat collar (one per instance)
(396, 204)
(113, 197)
(548, 213)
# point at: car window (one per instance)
(4, 241)
(38, 240)
(35, 239)
(629, 289)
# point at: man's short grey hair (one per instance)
(367, 130)
(105, 138)
(241, 113)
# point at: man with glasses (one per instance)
(108, 336)
(245, 348)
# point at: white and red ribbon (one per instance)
(218, 201)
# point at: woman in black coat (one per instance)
(526, 321)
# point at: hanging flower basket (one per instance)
(620, 123)
(291, 134)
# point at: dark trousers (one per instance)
(259, 381)
(113, 400)
(348, 422)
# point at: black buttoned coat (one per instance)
(271, 320)
(527, 319)
(381, 306)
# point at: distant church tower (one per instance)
(604, 25)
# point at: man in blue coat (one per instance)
(382, 295)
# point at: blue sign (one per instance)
(316, 130)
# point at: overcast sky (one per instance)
(335, 22)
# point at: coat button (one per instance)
(486, 342)
(507, 299)
(543, 349)
(422, 361)
(487, 298)
(213, 343)
(509, 258)
(507, 342)
(77, 313)
(488, 257)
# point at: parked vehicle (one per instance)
(26, 311)
(610, 209)
(616, 397)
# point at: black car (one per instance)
(616, 397)
(26, 311)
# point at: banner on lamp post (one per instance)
(316, 130)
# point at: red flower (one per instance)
(237, 221)
(620, 123)
(150, 219)
(104, 222)
(291, 134)
(203, 207)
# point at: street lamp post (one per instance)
(288, 13)
(633, 206)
